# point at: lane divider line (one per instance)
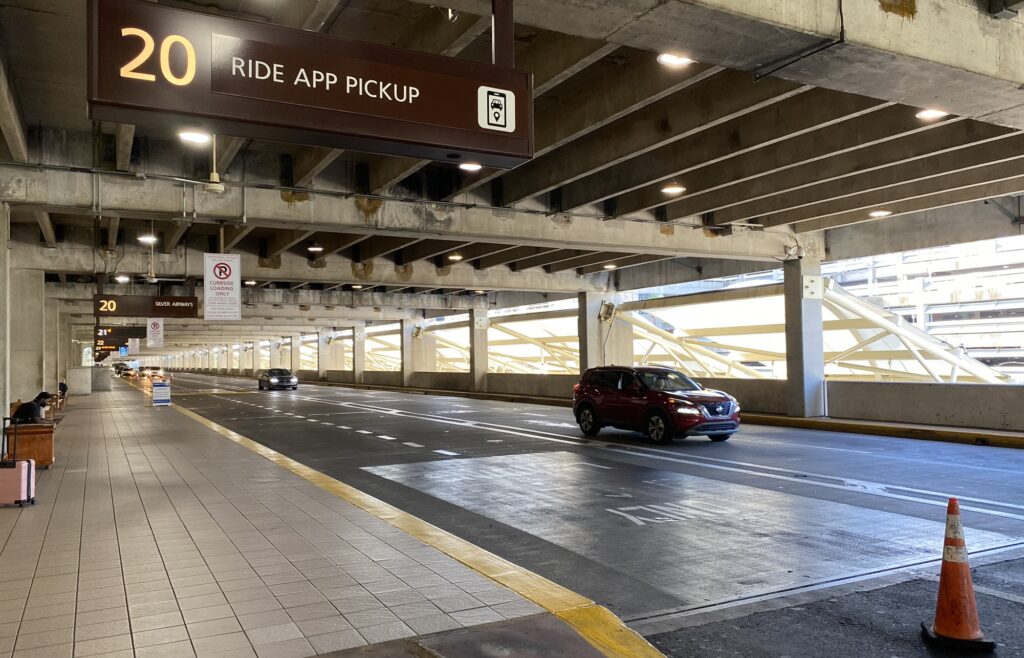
(595, 623)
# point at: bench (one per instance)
(33, 442)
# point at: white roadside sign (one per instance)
(222, 287)
(155, 332)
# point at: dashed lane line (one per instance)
(447, 452)
(412, 445)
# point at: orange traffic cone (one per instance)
(956, 613)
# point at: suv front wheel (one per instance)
(588, 420)
(658, 429)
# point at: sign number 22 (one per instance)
(148, 46)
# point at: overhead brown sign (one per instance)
(143, 306)
(153, 64)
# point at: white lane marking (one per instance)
(324, 422)
(386, 437)
(364, 431)
(607, 468)
(447, 452)
(863, 486)
(312, 420)
(344, 427)
(411, 444)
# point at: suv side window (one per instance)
(628, 379)
(605, 379)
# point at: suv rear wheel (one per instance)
(588, 420)
(658, 429)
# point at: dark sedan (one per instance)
(277, 378)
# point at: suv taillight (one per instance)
(575, 389)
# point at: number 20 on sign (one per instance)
(130, 70)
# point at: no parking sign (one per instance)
(222, 289)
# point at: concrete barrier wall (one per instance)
(340, 376)
(766, 396)
(554, 386)
(444, 381)
(963, 405)
(79, 381)
(102, 379)
(382, 378)
(308, 375)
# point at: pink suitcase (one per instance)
(17, 476)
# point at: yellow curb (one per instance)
(596, 624)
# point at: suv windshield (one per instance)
(279, 372)
(668, 381)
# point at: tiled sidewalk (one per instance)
(155, 536)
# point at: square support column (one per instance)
(408, 365)
(324, 353)
(602, 342)
(5, 299)
(424, 353)
(479, 357)
(358, 352)
(296, 354)
(805, 352)
(27, 333)
(275, 352)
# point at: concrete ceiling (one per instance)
(765, 162)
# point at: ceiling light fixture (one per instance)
(610, 266)
(148, 238)
(878, 214)
(315, 248)
(470, 166)
(478, 292)
(194, 137)
(673, 189)
(356, 286)
(121, 278)
(455, 257)
(930, 114)
(675, 61)
(250, 282)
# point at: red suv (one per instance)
(662, 402)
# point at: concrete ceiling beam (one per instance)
(285, 240)
(124, 137)
(513, 255)
(620, 264)
(427, 249)
(544, 259)
(79, 259)
(173, 237)
(880, 139)
(709, 102)
(921, 54)
(69, 191)
(586, 260)
(986, 155)
(882, 198)
(113, 226)
(235, 234)
(633, 181)
(379, 246)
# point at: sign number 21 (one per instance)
(148, 46)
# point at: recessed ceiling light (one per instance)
(470, 166)
(673, 188)
(455, 256)
(121, 278)
(610, 266)
(250, 282)
(878, 214)
(357, 287)
(194, 137)
(674, 61)
(478, 292)
(930, 114)
(148, 238)
(315, 248)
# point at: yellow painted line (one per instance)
(595, 623)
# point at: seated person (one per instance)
(31, 413)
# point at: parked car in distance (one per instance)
(154, 373)
(277, 378)
(661, 402)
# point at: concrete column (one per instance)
(805, 354)
(296, 353)
(27, 333)
(275, 352)
(358, 352)
(408, 364)
(424, 353)
(602, 342)
(51, 344)
(250, 358)
(479, 357)
(5, 295)
(326, 353)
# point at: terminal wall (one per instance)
(554, 386)
(963, 405)
(382, 378)
(766, 396)
(443, 381)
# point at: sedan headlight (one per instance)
(687, 410)
(295, 380)
(273, 380)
